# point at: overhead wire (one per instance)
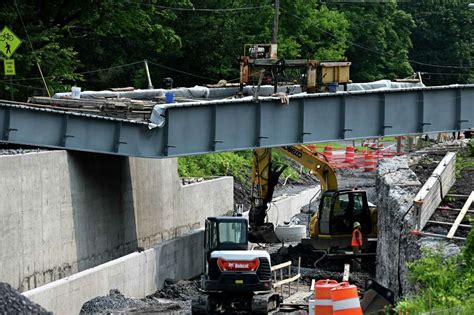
(83, 72)
(211, 10)
(181, 71)
(376, 51)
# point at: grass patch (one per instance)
(445, 284)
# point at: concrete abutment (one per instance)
(64, 212)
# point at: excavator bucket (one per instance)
(377, 298)
(264, 234)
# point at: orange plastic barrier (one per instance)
(369, 162)
(345, 300)
(349, 154)
(323, 304)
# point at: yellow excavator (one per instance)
(331, 224)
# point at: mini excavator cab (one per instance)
(226, 233)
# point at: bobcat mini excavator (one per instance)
(331, 224)
(236, 279)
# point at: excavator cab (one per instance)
(225, 233)
(339, 209)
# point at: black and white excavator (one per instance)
(236, 279)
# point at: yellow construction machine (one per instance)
(331, 224)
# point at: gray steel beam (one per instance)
(227, 125)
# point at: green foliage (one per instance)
(445, 283)
(70, 37)
(470, 146)
(379, 40)
(443, 37)
(236, 164)
(308, 30)
(465, 160)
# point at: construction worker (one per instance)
(356, 244)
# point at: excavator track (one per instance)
(265, 303)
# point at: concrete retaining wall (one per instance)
(135, 275)
(283, 209)
(61, 212)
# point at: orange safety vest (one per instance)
(356, 238)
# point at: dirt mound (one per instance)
(12, 302)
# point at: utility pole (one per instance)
(150, 85)
(275, 22)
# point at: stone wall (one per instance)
(396, 188)
(62, 212)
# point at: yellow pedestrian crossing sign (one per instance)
(9, 42)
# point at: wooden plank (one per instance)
(282, 265)
(435, 188)
(461, 215)
(282, 282)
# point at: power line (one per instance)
(376, 51)
(21, 85)
(181, 71)
(212, 10)
(84, 72)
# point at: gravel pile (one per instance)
(114, 301)
(183, 291)
(174, 299)
(12, 302)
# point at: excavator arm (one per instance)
(265, 176)
(318, 166)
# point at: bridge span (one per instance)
(246, 123)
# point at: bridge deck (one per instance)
(226, 125)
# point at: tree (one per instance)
(312, 31)
(379, 40)
(443, 37)
(70, 37)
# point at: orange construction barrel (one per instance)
(328, 152)
(369, 162)
(345, 300)
(349, 154)
(323, 302)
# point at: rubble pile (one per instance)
(12, 302)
